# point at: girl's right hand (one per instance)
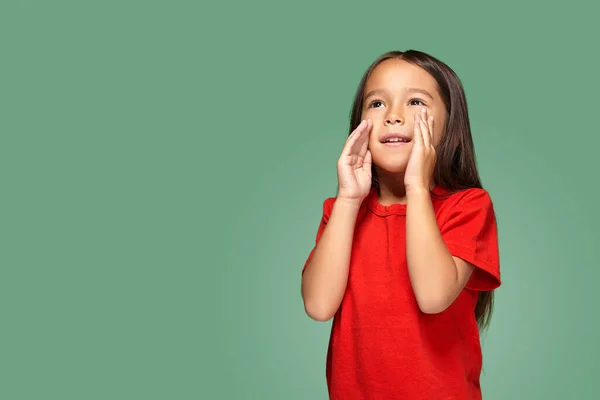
(354, 164)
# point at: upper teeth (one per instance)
(396, 140)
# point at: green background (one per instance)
(164, 166)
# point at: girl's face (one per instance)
(394, 93)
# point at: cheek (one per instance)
(372, 140)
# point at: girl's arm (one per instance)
(326, 275)
(436, 276)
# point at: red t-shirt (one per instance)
(381, 345)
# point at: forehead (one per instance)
(396, 75)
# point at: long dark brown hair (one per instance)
(455, 167)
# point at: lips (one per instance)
(394, 135)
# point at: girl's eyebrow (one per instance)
(408, 90)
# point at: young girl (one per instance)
(406, 255)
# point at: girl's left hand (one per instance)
(421, 162)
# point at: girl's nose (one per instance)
(393, 119)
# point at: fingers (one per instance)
(428, 131)
(368, 160)
(363, 141)
(430, 123)
(418, 137)
(352, 138)
(358, 140)
(424, 128)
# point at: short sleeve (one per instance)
(327, 207)
(470, 232)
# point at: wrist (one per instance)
(348, 202)
(417, 191)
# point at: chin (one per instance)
(392, 168)
(397, 165)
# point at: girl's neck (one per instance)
(393, 191)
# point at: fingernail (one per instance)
(423, 109)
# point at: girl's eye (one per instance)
(374, 102)
(419, 100)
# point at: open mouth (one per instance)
(396, 140)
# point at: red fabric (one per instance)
(381, 345)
